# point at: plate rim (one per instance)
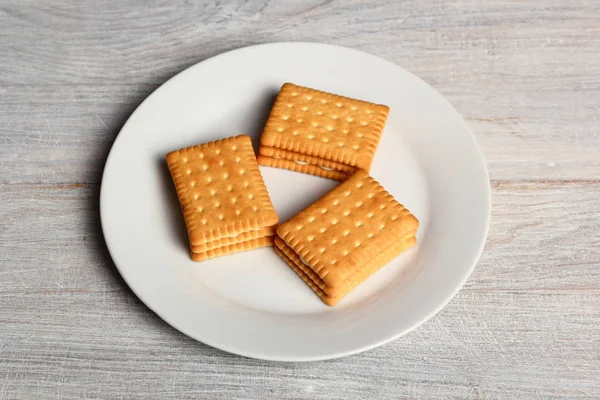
(252, 354)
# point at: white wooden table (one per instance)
(526, 76)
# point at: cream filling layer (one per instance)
(305, 163)
(299, 256)
(239, 234)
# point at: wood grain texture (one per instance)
(524, 326)
(523, 73)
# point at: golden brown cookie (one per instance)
(222, 194)
(347, 235)
(333, 130)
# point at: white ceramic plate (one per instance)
(252, 303)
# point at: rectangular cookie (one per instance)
(316, 129)
(223, 197)
(347, 235)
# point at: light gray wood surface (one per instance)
(526, 76)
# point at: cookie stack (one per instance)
(223, 198)
(320, 133)
(350, 233)
(337, 242)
